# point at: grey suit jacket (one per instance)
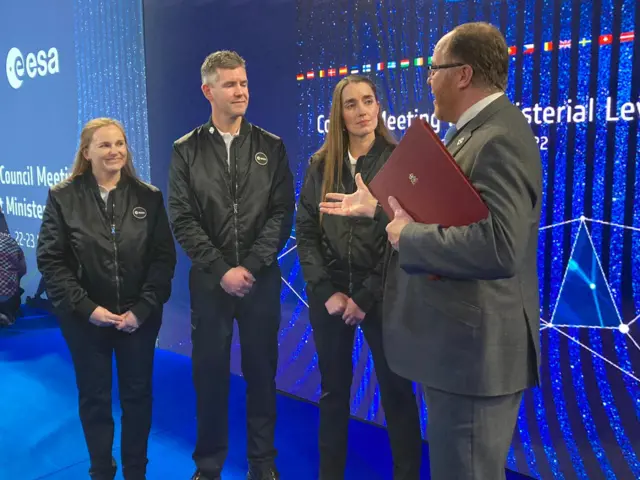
(475, 331)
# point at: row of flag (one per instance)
(527, 49)
(549, 46)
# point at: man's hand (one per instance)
(400, 220)
(336, 304)
(353, 314)
(358, 204)
(237, 281)
(101, 317)
(129, 323)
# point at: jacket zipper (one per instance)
(349, 243)
(115, 255)
(235, 227)
(235, 204)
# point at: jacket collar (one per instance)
(367, 161)
(465, 133)
(379, 146)
(210, 129)
(92, 183)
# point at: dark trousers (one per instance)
(258, 317)
(469, 437)
(11, 306)
(334, 344)
(92, 349)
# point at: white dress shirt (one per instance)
(475, 109)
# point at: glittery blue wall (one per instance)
(576, 74)
(110, 72)
(97, 70)
(582, 56)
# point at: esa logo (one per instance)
(20, 66)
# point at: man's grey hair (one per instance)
(225, 59)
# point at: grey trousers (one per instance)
(469, 437)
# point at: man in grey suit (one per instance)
(470, 338)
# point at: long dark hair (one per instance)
(336, 141)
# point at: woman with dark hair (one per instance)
(341, 262)
(107, 257)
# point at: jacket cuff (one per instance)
(377, 215)
(382, 220)
(141, 310)
(253, 263)
(219, 268)
(85, 308)
(323, 291)
(364, 298)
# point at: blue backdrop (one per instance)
(66, 62)
(575, 73)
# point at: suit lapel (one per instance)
(462, 137)
(458, 141)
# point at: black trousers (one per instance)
(258, 316)
(92, 349)
(11, 306)
(334, 344)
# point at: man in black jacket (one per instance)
(231, 206)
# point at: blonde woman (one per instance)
(107, 257)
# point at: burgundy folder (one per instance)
(427, 182)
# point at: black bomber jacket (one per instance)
(236, 213)
(117, 254)
(342, 254)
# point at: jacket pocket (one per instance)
(460, 311)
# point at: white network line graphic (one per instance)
(282, 255)
(622, 328)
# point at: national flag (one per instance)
(354, 70)
(380, 66)
(512, 50)
(528, 48)
(343, 70)
(366, 68)
(627, 37)
(429, 60)
(548, 46)
(321, 73)
(418, 62)
(564, 44)
(404, 63)
(300, 77)
(391, 65)
(584, 42)
(605, 39)
(331, 72)
(310, 75)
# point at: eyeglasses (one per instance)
(433, 68)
